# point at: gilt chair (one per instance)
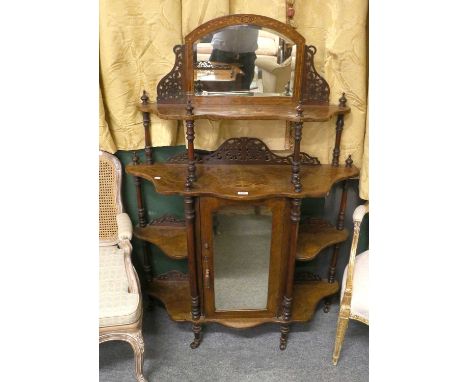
(120, 300)
(354, 288)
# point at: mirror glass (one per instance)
(244, 60)
(241, 245)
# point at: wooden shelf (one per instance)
(242, 182)
(314, 236)
(171, 240)
(312, 113)
(174, 293)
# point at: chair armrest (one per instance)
(124, 227)
(359, 212)
(132, 276)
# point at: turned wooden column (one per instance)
(339, 130)
(146, 124)
(142, 222)
(192, 264)
(336, 248)
(190, 123)
(296, 161)
(295, 217)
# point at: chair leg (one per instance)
(139, 349)
(343, 320)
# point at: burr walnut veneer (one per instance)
(243, 231)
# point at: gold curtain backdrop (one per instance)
(136, 42)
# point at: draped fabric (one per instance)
(136, 42)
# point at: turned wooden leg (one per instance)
(343, 320)
(295, 216)
(327, 303)
(151, 303)
(336, 248)
(147, 268)
(196, 328)
(192, 265)
(284, 328)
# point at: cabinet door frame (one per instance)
(278, 256)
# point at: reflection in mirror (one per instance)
(241, 247)
(244, 60)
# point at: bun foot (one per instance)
(196, 328)
(195, 344)
(326, 307)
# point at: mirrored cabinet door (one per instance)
(243, 255)
(241, 261)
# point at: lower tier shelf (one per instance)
(174, 292)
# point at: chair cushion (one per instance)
(360, 297)
(116, 305)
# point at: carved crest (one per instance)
(168, 220)
(171, 87)
(243, 150)
(305, 277)
(173, 276)
(314, 87)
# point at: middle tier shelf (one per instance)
(242, 181)
(314, 236)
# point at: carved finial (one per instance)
(349, 162)
(189, 107)
(290, 13)
(343, 100)
(144, 98)
(135, 158)
(299, 109)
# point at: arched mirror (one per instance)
(244, 60)
(241, 56)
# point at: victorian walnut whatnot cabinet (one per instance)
(242, 232)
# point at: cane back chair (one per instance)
(354, 288)
(120, 300)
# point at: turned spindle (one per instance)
(296, 160)
(190, 123)
(339, 130)
(147, 124)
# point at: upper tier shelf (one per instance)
(312, 113)
(242, 181)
